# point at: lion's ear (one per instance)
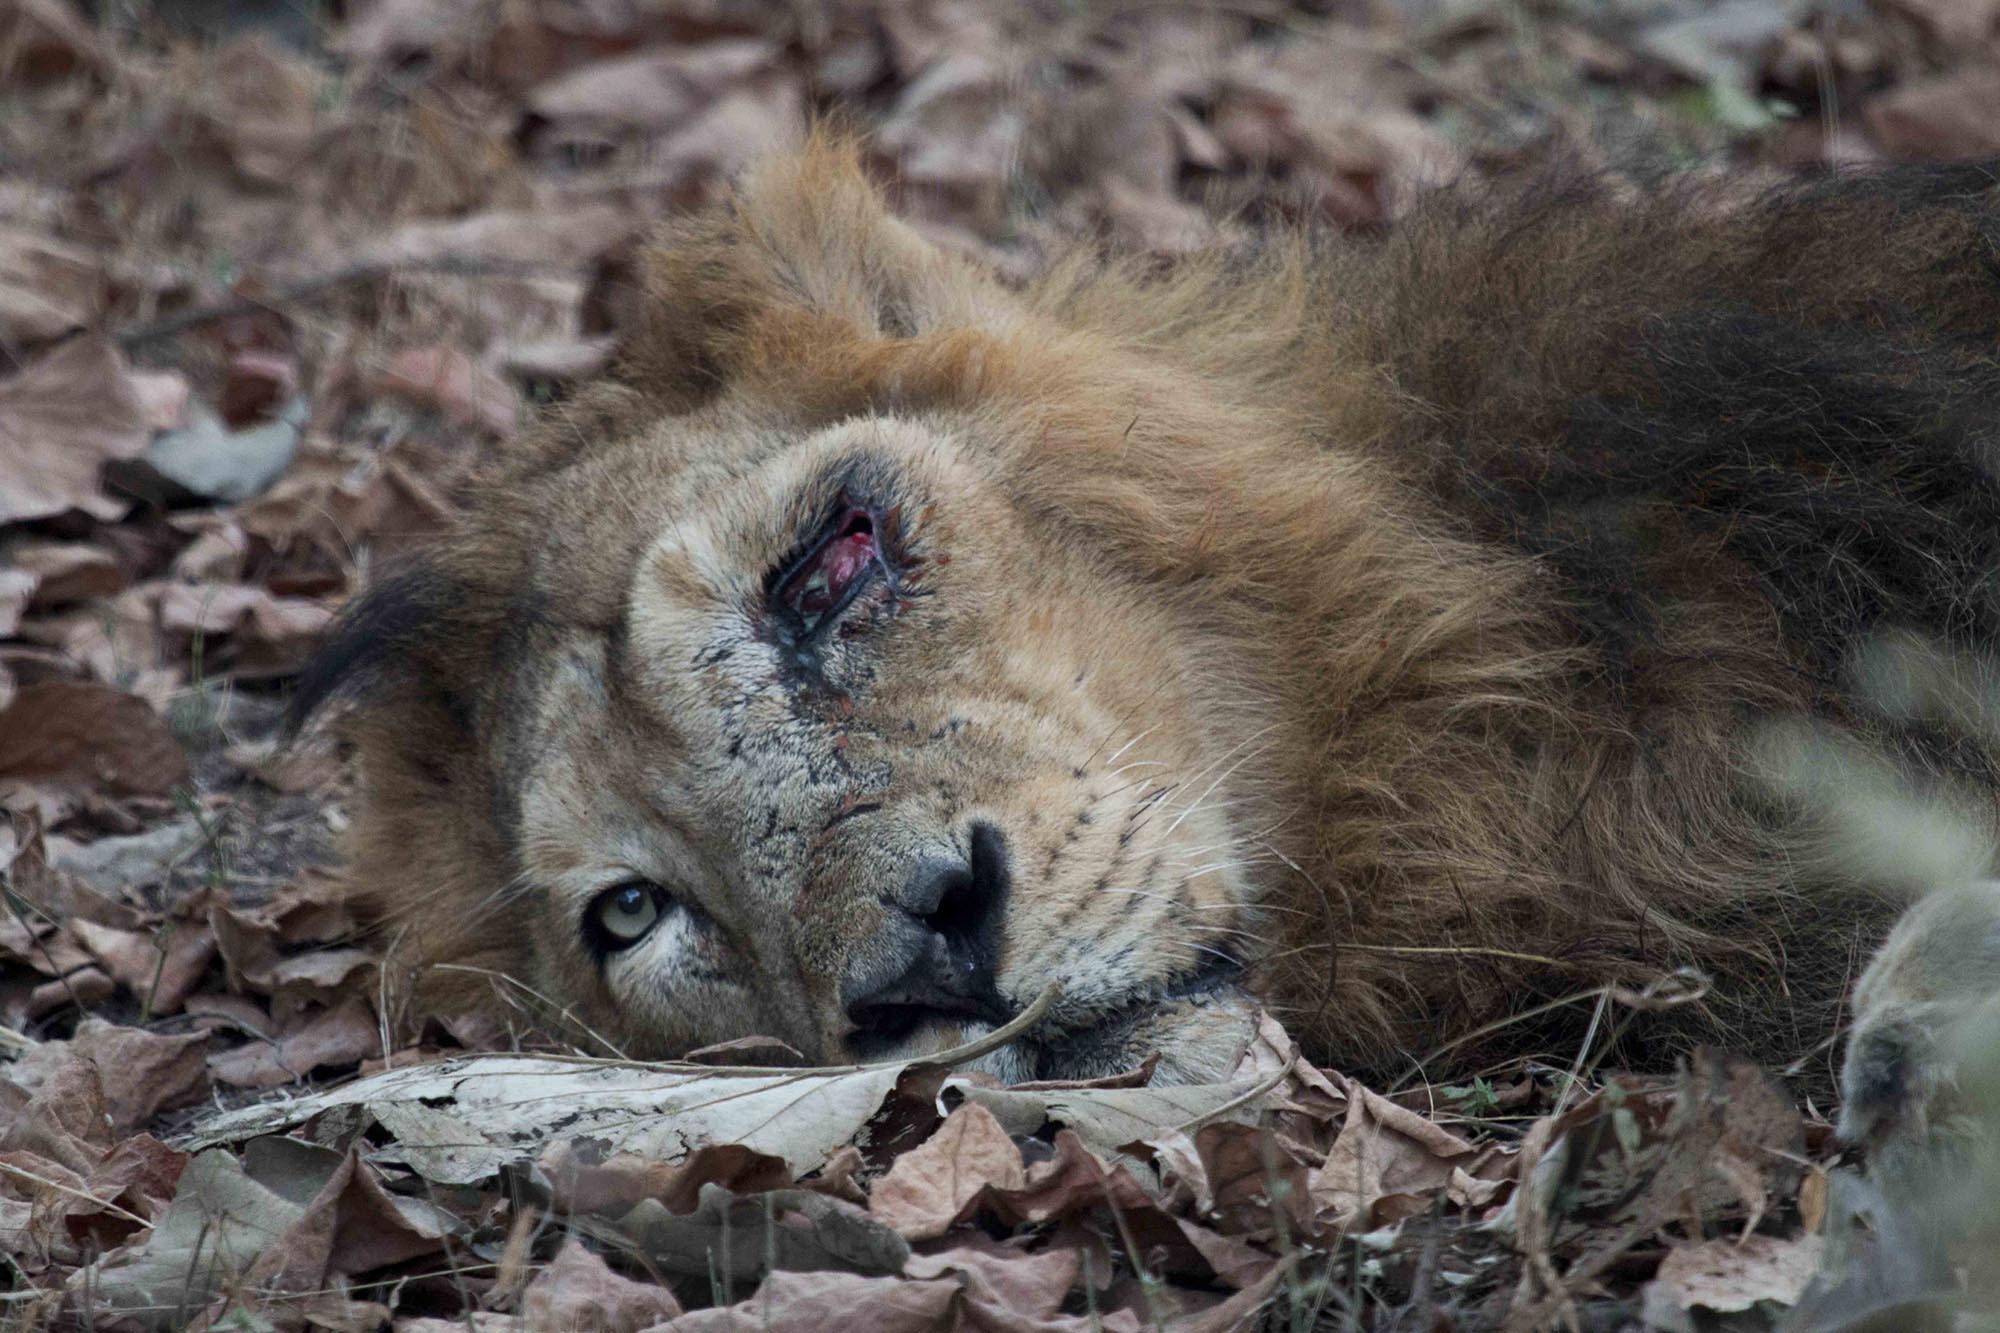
(804, 234)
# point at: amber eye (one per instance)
(829, 574)
(621, 916)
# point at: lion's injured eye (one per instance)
(620, 917)
(827, 576)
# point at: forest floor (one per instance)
(275, 275)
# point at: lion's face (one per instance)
(868, 759)
(831, 675)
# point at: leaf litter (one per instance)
(269, 287)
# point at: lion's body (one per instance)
(1437, 624)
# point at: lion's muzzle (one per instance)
(936, 958)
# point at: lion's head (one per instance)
(845, 669)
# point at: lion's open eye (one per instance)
(620, 917)
(829, 574)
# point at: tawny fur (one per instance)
(1499, 561)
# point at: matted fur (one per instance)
(1459, 587)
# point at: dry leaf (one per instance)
(59, 733)
(160, 967)
(62, 1119)
(119, 865)
(1109, 1118)
(139, 1073)
(578, 1291)
(739, 1239)
(352, 1225)
(220, 1220)
(927, 1187)
(61, 419)
(1005, 1288)
(342, 1035)
(611, 1185)
(816, 1302)
(517, 1106)
(1725, 1276)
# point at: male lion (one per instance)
(1402, 633)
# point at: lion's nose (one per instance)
(938, 956)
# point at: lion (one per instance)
(1415, 635)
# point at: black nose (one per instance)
(940, 955)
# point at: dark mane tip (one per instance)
(376, 636)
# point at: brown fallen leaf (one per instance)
(139, 1073)
(84, 989)
(1382, 1149)
(352, 1225)
(136, 1179)
(62, 1119)
(738, 1239)
(220, 1219)
(89, 737)
(47, 946)
(1074, 1181)
(927, 1187)
(614, 1184)
(816, 1302)
(61, 419)
(254, 941)
(578, 1290)
(287, 626)
(160, 967)
(230, 1013)
(1244, 1178)
(1005, 1287)
(116, 641)
(342, 1035)
(1241, 1311)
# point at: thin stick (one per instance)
(74, 1193)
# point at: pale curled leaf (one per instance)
(520, 1106)
(1725, 1275)
(1107, 1119)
